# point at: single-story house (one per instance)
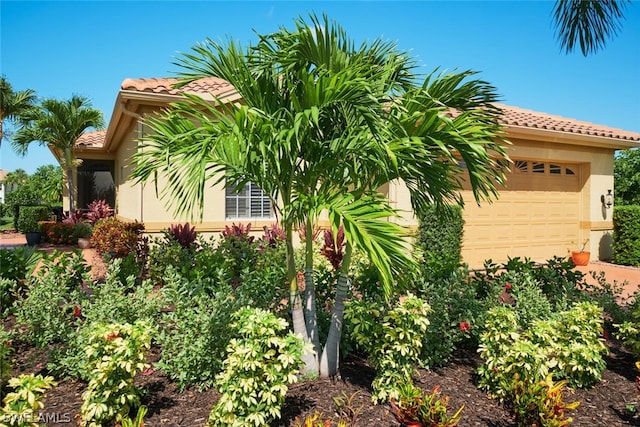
(555, 198)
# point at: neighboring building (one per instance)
(5, 188)
(551, 203)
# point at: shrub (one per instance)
(626, 235)
(114, 301)
(22, 196)
(459, 316)
(117, 238)
(195, 334)
(539, 403)
(46, 312)
(30, 216)
(5, 353)
(392, 337)
(98, 209)
(15, 266)
(568, 345)
(259, 366)
(116, 354)
(415, 408)
(22, 405)
(74, 217)
(239, 249)
(58, 233)
(82, 230)
(184, 234)
(439, 239)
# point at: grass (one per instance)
(6, 223)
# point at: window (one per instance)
(250, 202)
(538, 167)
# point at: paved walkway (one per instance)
(629, 276)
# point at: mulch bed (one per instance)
(603, 405)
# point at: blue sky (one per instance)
(89, 47)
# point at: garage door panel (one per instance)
(537, 216)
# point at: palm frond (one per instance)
(587, 23)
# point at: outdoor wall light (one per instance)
(607, 200)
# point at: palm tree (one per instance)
(322, 125)
(587, 22)
(58, 124)
(13, 104)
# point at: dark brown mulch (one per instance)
(603, 405)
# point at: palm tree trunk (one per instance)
(311, 316)
(70, 188)
(329, 362)
(297, 313)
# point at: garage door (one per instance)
(536, 216)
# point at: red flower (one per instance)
(76, 311)
(605, 335)
(465, 327)
(507, 287)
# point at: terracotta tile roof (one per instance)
(93, 139)
(207, 85)
(532, 119)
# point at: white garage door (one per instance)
(536, 216)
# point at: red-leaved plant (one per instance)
(184, 234)
(239, 231)
(272, 235)
(333, 249)
(73, 217)
(98, 209)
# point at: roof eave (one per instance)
(555, 136)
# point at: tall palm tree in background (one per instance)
(13, 104)
(587, 23)
(58, 124)
(322, 125)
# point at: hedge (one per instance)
(439, 238)
(29, 216)
(626, 235)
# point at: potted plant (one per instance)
(581, 257)
(83, 231)
(28, 219)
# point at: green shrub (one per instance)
(29, 217)
(626, 235)
(5, 356)
(82, 230)
(458, 316)
(113, 301)
(392, 337)
(439, 239)
(23, 195)
(22, 406)
(15, 266)
(568, 345)
(116, 354)
(46, 313)
(195, 334)
(259, 366)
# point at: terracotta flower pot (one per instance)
(580, 258)
(84, 243)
